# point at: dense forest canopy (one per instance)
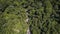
(40, 16)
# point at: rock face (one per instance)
(28, 31)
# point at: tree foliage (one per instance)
(44, 16)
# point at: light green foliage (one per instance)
(44, 16)
(15, 21)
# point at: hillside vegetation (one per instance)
(40, 16)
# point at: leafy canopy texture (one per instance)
(13, 19)
(40, 16)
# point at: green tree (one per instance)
(44, 19)
(44, 16)
(13, 19)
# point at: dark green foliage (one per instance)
(45, 19)
(44, 16)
